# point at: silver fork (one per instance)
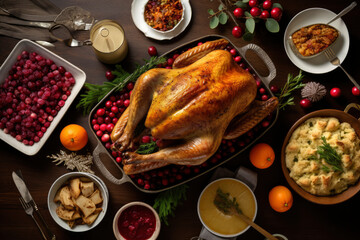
(334, 60)
(29, 211)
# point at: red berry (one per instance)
(233, 51)
(267, 4)
(238, 12)
(253, 3)
(237, 31)
(355, 91)
(145, 139)
(264, 97)
(335, 92)
(152, 51)
(100, 112)
(109, 76)
(274, 89)
(276, 13)
(262, 91)
(265, 14)
(237, 59)
(255, 11)
(305, 103)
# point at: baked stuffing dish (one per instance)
(313, 39)
(323, 156)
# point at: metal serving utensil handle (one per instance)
(343, 12)
(263, 56)
(100, 165)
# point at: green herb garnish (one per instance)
(225, 203)
(330, 155)
(96, 92)
(147, 148)
(166, 202)
(292, 84)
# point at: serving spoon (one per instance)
(229, 206)
(343, 12)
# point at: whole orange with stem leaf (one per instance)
(73, 137)
(262, 155)
(280, 198)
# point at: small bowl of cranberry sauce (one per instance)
(136, 221)
(36, 89)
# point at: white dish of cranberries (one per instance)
(36, 89)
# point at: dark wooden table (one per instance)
(305, 220)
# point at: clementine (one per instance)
(262, 155)
(280, 198)
(73, 137)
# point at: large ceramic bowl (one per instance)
(343, 116)
(59, 183)
(78, 74)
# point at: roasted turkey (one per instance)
(205, 98)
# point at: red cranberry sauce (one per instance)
(137, 223)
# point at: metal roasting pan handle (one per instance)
(103, 169)
(263, 56)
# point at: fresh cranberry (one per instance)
(237, 32)
(267, 4)
(100, 112)
(274, 89)
(265, 14)
(276, 13)
(262, 90)
(109, 76)
(152, 51)
(264, 97)
(253, 3)
(145, 139)
(355, 91)
(335, 92)
(237, 59)
(105, 137)
(305, 103)
(255, 11)
(238, 12)
(233, 51)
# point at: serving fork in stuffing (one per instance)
(30, 211)
(334, 60)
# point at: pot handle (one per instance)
(352, 105)
(263, 55)
(99, 164)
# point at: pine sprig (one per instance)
(166, 202)
(96, 92)
(292, 84)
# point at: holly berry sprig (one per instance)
(252, 11)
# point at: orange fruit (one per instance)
(280, 198)
(262, 155)
(73, 137)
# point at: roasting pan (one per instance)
(100, 152)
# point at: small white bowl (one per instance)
(78, 74)
(57, 185)
(117, 234)
(219, 182)
(168, 31)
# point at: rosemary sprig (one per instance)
(147, 148)
(292, 84)
(96, 92)
(225, 203)
(330, 155)
(166, 202)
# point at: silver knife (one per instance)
(21, 186)
(24, 192)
